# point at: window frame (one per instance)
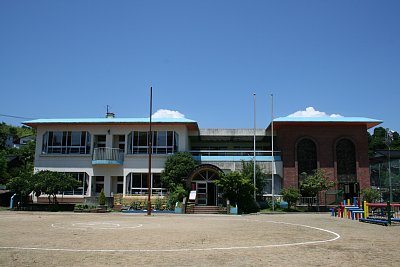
(60, 142)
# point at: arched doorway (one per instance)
(202, 180)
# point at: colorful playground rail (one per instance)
(377, 213)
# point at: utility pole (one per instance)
(389, 139)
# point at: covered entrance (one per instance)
(202, 180)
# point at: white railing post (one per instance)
(107, 153)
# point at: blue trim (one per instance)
(235, 158)
(107, 162)
(325, 119)
(110, 120)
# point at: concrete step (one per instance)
(206, 210)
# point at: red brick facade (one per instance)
(325, 136)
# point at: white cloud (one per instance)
(311, 112)
(165, 113)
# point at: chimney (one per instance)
(110, 115)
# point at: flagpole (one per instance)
(254, 140)
(273, 156)
(150, 137)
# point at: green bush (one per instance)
(158, 204)
(135, 205)
(370, 195)
(248, 205)
(102, 198)
(177, 195)
(290, 195)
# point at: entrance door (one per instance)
(203, 181)
(206, 194)
(201, 192)
(211, 194)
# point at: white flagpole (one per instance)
(273, 156)
(254, 140)
(150, 139)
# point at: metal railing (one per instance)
(135, 191)
(109, 154)
(233, 153)
(307, 201)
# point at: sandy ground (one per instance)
(84, 239)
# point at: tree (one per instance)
(177, 167)
(4, 133)
(376, 141)
(21, 185)
(239, 190)
(22, 158)
(46, 182)
(26, 154)
(290, 195)
(315, 183)
(371, 195)
(261, 177)
(52, 183)
(177, 195)
(102, 198)
(4, 175)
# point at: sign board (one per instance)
(192, 195)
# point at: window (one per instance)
(66, 142)
(137, 183)
(306, 157)
(119, 142)
(99, 183)
(120, 184)
(83, 179)
(163, 142)
(346, 161)
(99, 141)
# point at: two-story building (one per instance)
(112, 153)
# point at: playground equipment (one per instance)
(348, 210)
(377, 213)
(381, 213)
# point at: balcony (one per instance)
(108, 156)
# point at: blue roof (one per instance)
(108, 120)
(368, 121)
(326, 119)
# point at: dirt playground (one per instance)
(117, 239)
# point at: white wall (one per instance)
(83, 163)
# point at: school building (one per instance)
(112, 153)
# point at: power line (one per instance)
(15, 117)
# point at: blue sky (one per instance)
(204, 59)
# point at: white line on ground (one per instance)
(336, 236)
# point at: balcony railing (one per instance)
(107, 155)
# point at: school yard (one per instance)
(117, 239)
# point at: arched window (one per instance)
(306, 156)
(346, 161)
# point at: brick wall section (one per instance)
(325, 135)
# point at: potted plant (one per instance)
(178, 207)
